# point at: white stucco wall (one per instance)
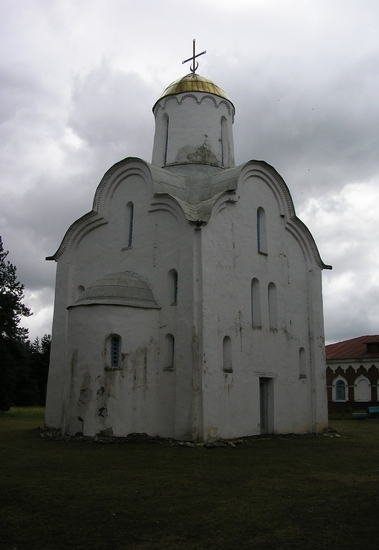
(230, 261)
(161, 242)
(215, 260)
(189, 130)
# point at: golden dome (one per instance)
(193, 83)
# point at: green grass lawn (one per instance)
(282, 493)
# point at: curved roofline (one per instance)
(124, 288)
(298, 223)
(196, 206)
(193, 83)
(93, 217)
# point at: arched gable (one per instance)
(286, 208)
(115, 175)
(99, 214)
(168, 203)
(271, 178)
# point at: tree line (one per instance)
(24, 364)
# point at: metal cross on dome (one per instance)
(194, 65)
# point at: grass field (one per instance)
(282, 492)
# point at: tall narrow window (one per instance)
(169, 352)
(115, 350)
(224, 143)
(261, 231)
(272, 306)
(302, 363)
(129, 223)
(79, 291)
(256, 318)
(166, 141)
(173, 286)
(340, 390)
(227, 355)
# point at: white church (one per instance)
(188, 301)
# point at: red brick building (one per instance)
(352, 374)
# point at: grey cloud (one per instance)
(110, 109)
(73, 104)
(354, 314)
(323, 137)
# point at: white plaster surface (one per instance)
(201, 222)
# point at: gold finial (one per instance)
(194, 65)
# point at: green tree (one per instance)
(14, 365)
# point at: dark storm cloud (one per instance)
(78, 81)
(110, 109)
(319, 134)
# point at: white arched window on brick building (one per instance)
(339, 389)
(362, 389)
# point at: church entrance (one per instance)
(266, 405)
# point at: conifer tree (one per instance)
(13, 354)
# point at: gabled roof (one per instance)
(356, 348)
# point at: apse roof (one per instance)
(193, 83)
(119, 289)
(356, 348)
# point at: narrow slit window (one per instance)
(79, 291)
(169, 355)
(166, 142)
(129, 223)
(175, 285)
(261, 231)
(172, 286)
(115, 351)
(256, 318)
(227, 354)
(172, 352)
(302, 363)
(224, 142)
(272, 306)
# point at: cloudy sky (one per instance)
(79, 78)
